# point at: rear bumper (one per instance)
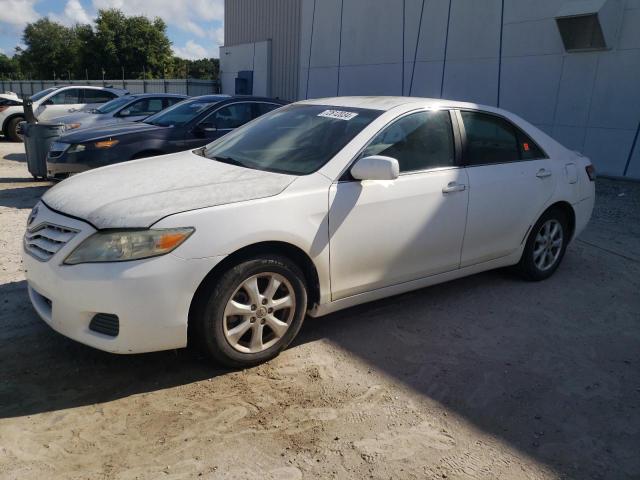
(583, 210)
(151, 297)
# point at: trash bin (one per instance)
(38, 137)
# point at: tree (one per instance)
(136, 44)
(52, 49)
(9, 68)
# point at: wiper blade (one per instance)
(229, 160)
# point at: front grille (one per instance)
(105, 323)
(44, 241)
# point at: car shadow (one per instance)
(22, 197)
(43, 371)
(16, 157)
(545, 373)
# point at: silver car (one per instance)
(130, 108)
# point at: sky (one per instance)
(195, 27)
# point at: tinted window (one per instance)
(262, 108)
(418, 141)
(112, 105)
(42, 93)
(70, 96)
(147, 106)
(296, 139)
(528, 149)
(490, 139)
(97, 96)
(180, 114)
(231, 116)
(171, 101)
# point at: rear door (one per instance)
(60, 103)
(510, 181)
(93, 98)
(219, 122)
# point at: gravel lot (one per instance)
(485, 377)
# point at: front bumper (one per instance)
(151, 297)
(54, 169)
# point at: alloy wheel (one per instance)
(548, 245)
(259, 312)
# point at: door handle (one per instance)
(454, 187)
(542, 173)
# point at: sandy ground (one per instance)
(486, 377)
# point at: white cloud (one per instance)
(184, 15)
(18, 12)
(73, 13)
(191, 51)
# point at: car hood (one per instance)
(137, 194)
(108, 131)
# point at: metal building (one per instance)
(571, 67)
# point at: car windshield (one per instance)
(113, 105)
(297, 139)
(180, 114)
(43, 93)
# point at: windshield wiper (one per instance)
(229, 160)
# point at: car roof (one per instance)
(122, 91)
(158, 94)
(225, 98)
(387, 103)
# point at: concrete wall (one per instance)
(496, 52)
(247, 56)
(256, 21)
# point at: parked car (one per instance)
(130, 108)
(315, 207)
(9, 105)
(55, 102)
(189, 124)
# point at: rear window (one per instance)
(492, 139)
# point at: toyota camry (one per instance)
(314, 207)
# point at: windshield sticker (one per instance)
(338, 114)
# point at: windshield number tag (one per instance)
(338, 114)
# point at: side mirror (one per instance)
(205, 127)
(376, 167)
(125, 113)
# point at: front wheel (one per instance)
(250, 313)
(12, 129)
(545, 246)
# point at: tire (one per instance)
(12, 129)
(214, 320)
(550, 235)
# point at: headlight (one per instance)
(76, 148)
(71, 126)
(105, 143)
(120, 246)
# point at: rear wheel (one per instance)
(12, 129)
(545, 246)
(251, 312)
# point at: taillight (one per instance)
(591, 172)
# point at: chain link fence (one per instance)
(191, 87)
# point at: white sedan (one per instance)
(312, 208)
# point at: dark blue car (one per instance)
(189, 124)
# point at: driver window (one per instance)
(66, 97)
(418, 141)
(231, 116)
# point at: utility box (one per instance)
(589, 24)
(244, 82)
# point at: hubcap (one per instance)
(259, 312)
(548, 245)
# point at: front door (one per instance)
(384, 233)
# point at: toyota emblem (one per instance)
(32, 215)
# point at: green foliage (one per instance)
(116, 45)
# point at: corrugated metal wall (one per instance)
(276, 20)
